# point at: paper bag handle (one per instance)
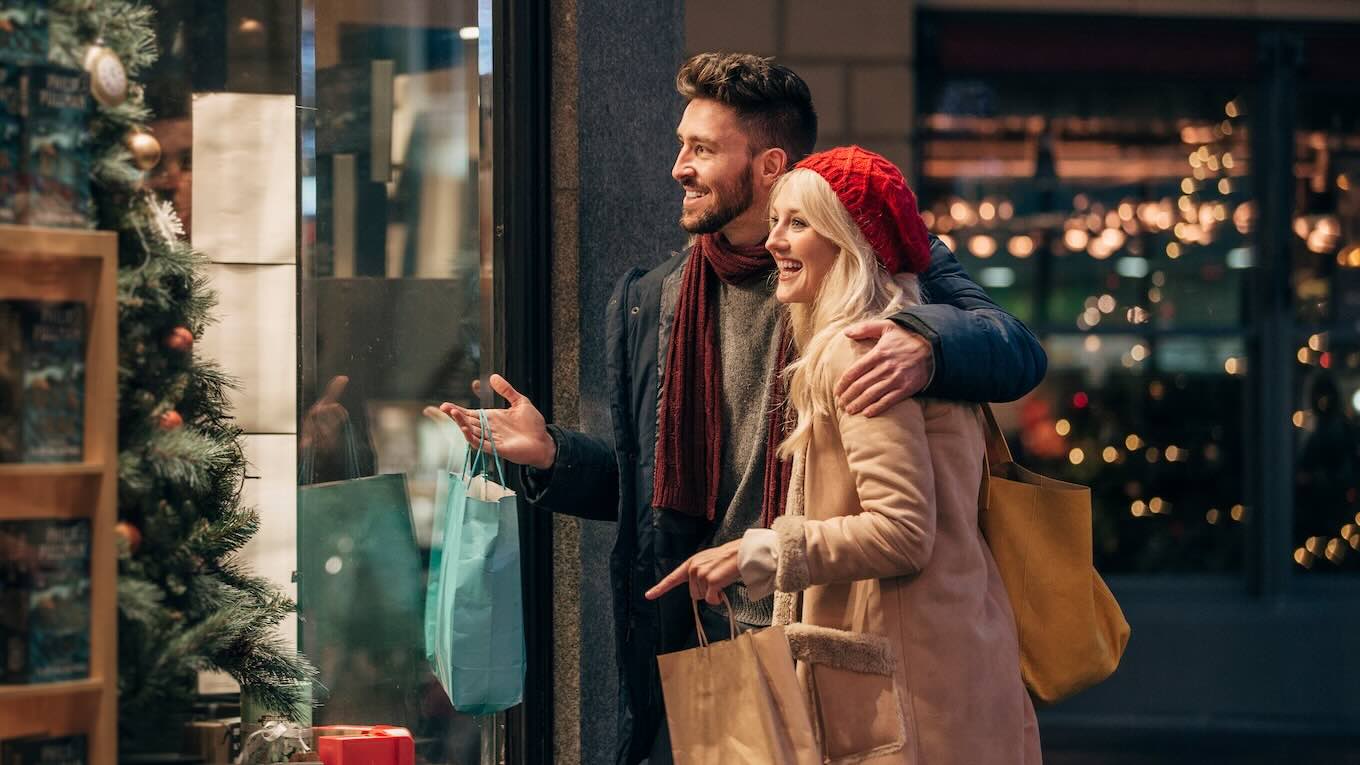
(699, 625)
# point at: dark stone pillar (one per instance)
(626, 211)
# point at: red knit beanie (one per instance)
(876, 194)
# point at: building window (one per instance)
(1099, 180)
(1324, 253)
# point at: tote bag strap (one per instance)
(997, 454)
(998, 451)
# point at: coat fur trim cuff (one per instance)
(854, 651)
(791, 565)
(785, 608)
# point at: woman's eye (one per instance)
(799, 222)
(774, 222)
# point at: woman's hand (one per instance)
(707, 572)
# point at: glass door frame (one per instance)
(517, 252)
(521, 237)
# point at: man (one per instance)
(693, 350)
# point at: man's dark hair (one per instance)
(773, 103)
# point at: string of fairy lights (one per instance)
(1212, 200)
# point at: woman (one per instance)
(904, 634)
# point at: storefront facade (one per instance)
(399, 199)
(1162, 192)
(370, 184)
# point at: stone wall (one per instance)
(856, 56)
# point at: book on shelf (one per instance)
(42, 380)
(45, 600)
(45, 750)
(11, 139)
(11, 380)
(23, 31)
(57, 157)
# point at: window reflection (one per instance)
(1325, 251)
(1120, 228)
(392, 300)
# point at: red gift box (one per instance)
(365, 745)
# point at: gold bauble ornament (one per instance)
(108, 78)
(146, 150)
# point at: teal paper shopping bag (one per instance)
(359, 591)
(474, 618)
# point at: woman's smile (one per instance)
(789, 268)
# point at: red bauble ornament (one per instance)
(170, 420)
(180, 339)
(129, 534)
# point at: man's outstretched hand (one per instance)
(518, 432)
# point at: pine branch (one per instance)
(293, 700)
(233, 574)
(186, 457)
(123, 26)
(228, 534)
(139, 601)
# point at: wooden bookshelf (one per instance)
(66, 264)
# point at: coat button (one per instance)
(634, 310)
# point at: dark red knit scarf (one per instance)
(689, 427)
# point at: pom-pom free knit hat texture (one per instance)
(880, 202)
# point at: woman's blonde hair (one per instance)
(857, 288)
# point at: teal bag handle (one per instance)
(307, 467)
(488, 435)
(478, 460)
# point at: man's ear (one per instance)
(771, 164)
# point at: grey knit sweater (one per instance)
(748, 321)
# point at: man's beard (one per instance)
(731, 201)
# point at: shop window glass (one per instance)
(394, 296)
(1114, 214)
(1325, 282)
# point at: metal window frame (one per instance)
(522, 231)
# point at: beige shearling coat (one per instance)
(897, 615)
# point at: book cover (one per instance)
(11, 134)
(57, 157)
(35, 750)
(11, 379)
(23, 31)
(52, 407)
(46, 596)
(13, 604)
(59, 601)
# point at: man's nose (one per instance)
(682, 169)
